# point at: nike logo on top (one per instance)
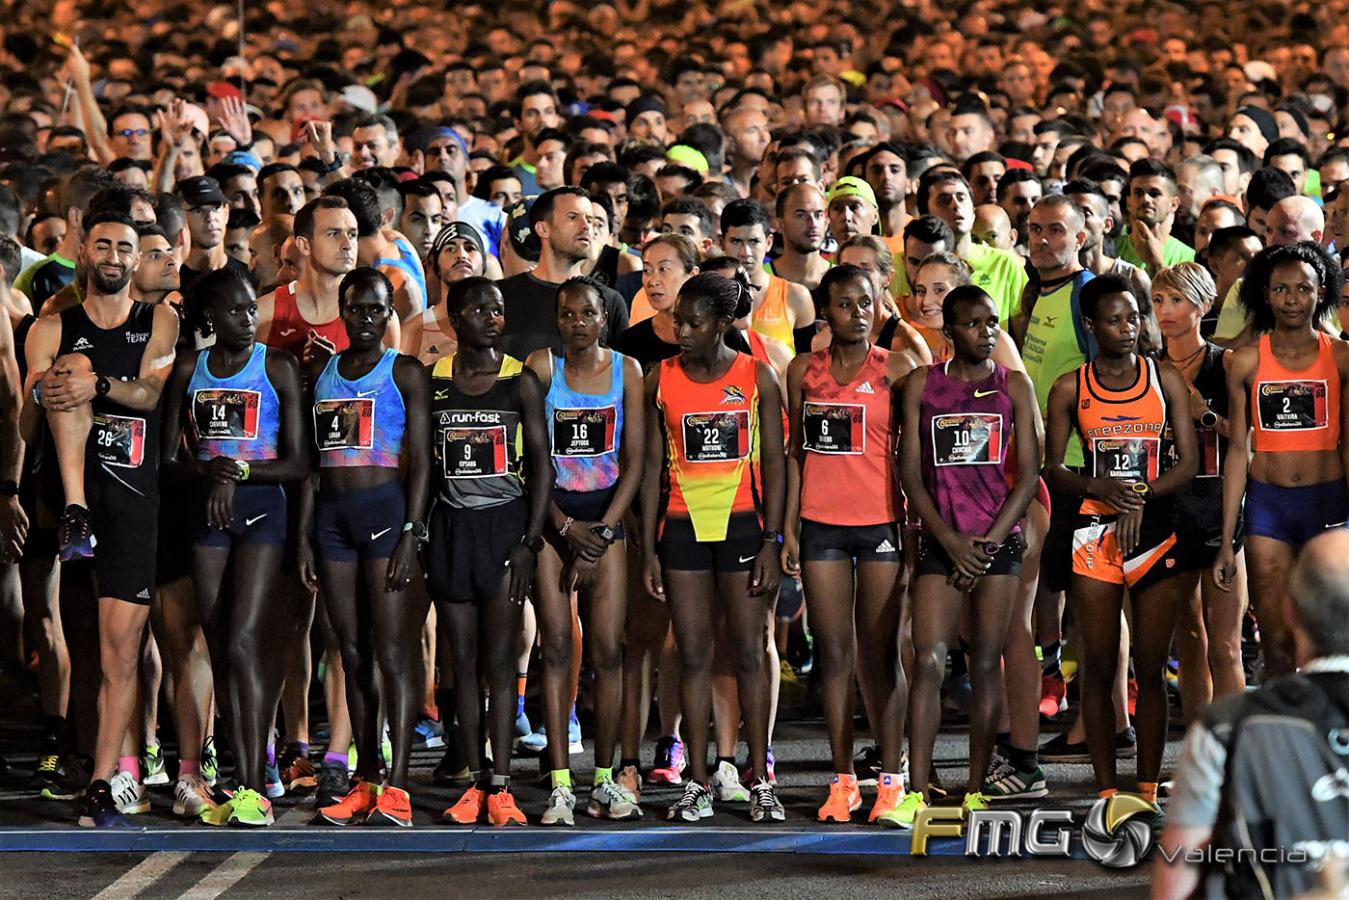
(248, 523)
(374, 536)
(984, 393)
(865, 388)
(745, 559)
(366, 393)
(82, 344)
(287, 332)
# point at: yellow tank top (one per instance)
(772, 318)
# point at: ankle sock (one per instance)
(1106, 793)
(188, 767)
(53, 728)
(271, 753)
(521, 682)
(727, 759)
(561, 778)
(336, 759)
(635, 763)
(1023, 760)
(130, 765)
(603, 774)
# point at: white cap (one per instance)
(360, 98)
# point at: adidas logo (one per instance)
(82, 344)
(144, 594)
(865, 388)
(885, 547)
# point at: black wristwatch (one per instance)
(533, 545)
(418, 530)
(102, 385)
(9, 488)
(1209, 419)
(339, 160)
(772, 537)
(605, 532)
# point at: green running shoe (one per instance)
(210, 763)
(972, 802)
(905, 812)
(217, 815)
(153, 765)
(250, 808)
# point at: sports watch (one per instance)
(772, 537)
(605, 532)
(418, 530)
(534, 544)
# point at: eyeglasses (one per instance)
(137, 132)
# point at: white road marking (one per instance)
(225, 876)
(142, 875)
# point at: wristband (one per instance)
(102, 386)
(566, 526)
(243, 469)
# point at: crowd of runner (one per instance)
(427, 358)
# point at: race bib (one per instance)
(347, 424)
(226, 414)
(716, 436)
(967, 439)
(474, 451)
(584, 432)
(834, 427)
(1292, 405)
(1128, 459)
(119, 441)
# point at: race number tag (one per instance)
(347, 424)
(1128, 459)
(584, 432)
(720, 436)
(835, 428)
(119, 441)
(967, 439)
(223, 414)
(1292, 405)
(474, 452)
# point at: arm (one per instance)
(801, 314)
(91, 118)
(632, 452)
(767, 573)
(791, 530)
(393, 334)
(266, 313)
(912, 342)
(13, 520)
(1236, 468)
(412, 335)
(412, 381)
(40, 349)
(540, 463)
(143, 393)
(1025, 429)
(175, 460)
(652, 469)
(1186, 465)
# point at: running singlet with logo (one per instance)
(238, 417)
(849, 434)
(1053, 347)
(1296, 410)
(478, 438)
(361, 422)
(965, 428)
(711, 444)
(292, 332)
(1125, 434)
(771, 318)
(585, 430)
(436, 342)
(1002, 275)
(124, 442)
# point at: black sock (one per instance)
(635, 763)
(1023, 760)
(53, 733)
(1002, 741)
(722, 759)
(1051, 654)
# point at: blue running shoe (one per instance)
(274, 789)
(99, 810)
(429, 734)
(574, 744)
(77, 536)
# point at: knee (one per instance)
(747, 657)
(984, 665)
(835, 655)
(606, 655)
(557, 648)
(929, 663)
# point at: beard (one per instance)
(105, 285)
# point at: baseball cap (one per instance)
(684, 155)
(360, 98)
(851, 186)
(201, 190)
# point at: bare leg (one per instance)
(121, 629)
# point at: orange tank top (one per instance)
(1296, 410)
(1126, 433)
(772, 318)
(711, 444)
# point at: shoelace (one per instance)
(764, 798)
(693, 792)
(47, 764)
(74, 526)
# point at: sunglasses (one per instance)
(136, 132)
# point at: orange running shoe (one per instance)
(468, 810)
(844, 799)
(501, 809)
(394, 808)
(359, 802)
(889, 794)
(630, 780)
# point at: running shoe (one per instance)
(502, 810)
(535, 742)
(574, 744)
(726, 786)
(522, 727)
(764, 805)
(468, 809)
(217, 816)
(152, 763)
(1053, 696)
(69, 785)
(273, 787)
(428, 735)
(191, 795)
(629, 778)
(889, 794)
(210, 762)
(902, 816)
(451, 770)
(747, 773)
(844, 799)
(694, 804)
(867, 765)
(250, 809)
(1126, 743)
(972, 803)
(1131, 691)
(333, 782)
(1006, 783)
(48, 773)
(393, 808)
(670, 762)
(76, 534)
(561, 807)
(130, 795)
(358, 803)
(297, 772)
(99, 810)
(610, 800)
(1059, 749)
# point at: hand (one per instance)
(319, 135)
(654, 579)
(585, 542)
(767, 572)
(580, 574)
(220, 503)
(1225, 567)
(76, 67)
(172, 123)
(1127, 530)
(231, 115)
(1198, 405)
(222, 469)
(64, 389)
(791, 555)
(309, 572)
(13, 529)
(1148, 242)
(402, 565)
(317, 350)
(521, 565)
(969, 555)
(1119, 494)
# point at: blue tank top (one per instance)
(410, 263)
(585, 430)
(361, 422)
(239, 416)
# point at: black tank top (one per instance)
(124, 442)
(1199, 503)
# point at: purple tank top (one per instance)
(966, 432)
